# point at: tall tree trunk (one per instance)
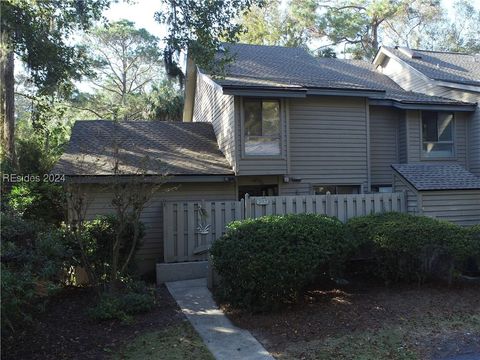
(375, 26)
(8, 104)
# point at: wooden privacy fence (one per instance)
(191, 226)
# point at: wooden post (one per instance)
(328, 203)
(247, 207)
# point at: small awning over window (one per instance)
(437, 176)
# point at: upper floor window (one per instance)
(437, 134)
(262, 127)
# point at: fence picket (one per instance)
(219, 219)
(191, 229)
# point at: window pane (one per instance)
(429, 126)
(271, 118)
(438, 149)
(262, 127)
(262, 145)
(322, 190)
(340, 189)
(347, 189)
(445, 128)
(253, 118)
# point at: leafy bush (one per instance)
(19, 297)
(411, 248)
(267, 262)
(38, 201)
(472, 264)
(135, 299)
(99, 236)
(474, 234)
(35, 258)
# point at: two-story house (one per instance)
(282, 122)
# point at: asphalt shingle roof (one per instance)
(150, 147)
(294, 68)
(444, 66)
(438, 176)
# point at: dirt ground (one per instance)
(64, 331)
(421, 322)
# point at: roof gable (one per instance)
(442, 66)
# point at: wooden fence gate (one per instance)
(191, 226)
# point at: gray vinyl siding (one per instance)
(402, 139)
(151, 250)
(459, 206)
(210, 105)
(384, 143)
(401, 185)
(328, 140)
(258, 165)
(414, 139)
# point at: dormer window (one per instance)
(437, 134)
(262, 127)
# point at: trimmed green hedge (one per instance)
(266, 263)
(412, 248)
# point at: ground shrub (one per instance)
(265, 263)
(136, 298)
(472, 263)
(99, 236)
(411, 248)
(35, 260)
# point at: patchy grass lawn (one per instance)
(65, 331)
(177, 342)
(371, 323)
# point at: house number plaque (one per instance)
(262, 201)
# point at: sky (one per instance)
(142, 13)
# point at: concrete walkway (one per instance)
(223, 339)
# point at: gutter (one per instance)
(106, 179)
(424, 106)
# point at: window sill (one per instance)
(262, 157)
(438, 158)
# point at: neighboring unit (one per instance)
(451, 75)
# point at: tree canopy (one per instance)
(126, 62)
(199, 27)
(37, 33)
(358, 28)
